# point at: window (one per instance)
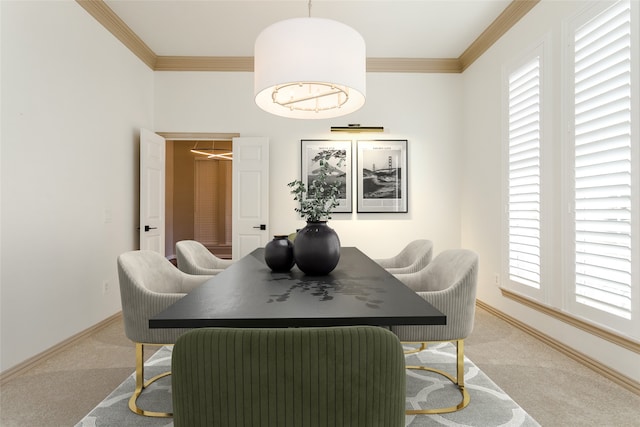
(524, 173)
(575, 247)
(602, 156)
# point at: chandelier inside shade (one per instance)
(309, 68)
(310, 96)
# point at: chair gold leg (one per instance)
(459, 382)
(141, 385)
(423, 346)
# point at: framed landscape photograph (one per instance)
(382, 176)
(339, 165)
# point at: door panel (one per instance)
(250, 194)
(152, 191)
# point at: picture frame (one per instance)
(382, 176)
(342, 173)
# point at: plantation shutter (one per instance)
(524, 174)
(603, 161)
(206, 218)
(228, 194)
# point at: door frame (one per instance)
(191, 136)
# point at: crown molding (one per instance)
(112, 22)
(413, 65)
(503, 23)
(116, 26)
(245, 63)
(204, 63)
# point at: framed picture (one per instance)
(382, 176)
(339, 165)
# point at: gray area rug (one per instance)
(489, 405)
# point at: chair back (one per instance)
(416, 256)
(413, 257)
(150, 270)
(149, 283)
(449, 283)
(449, 269)
(194, 258)
(342, 376)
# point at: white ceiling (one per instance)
(391, 28)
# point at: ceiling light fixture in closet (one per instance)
(213, 153)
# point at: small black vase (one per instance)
(316, 249)
(278, 254)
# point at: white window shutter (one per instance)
(603, 161)
(206, 219)
(524, 174)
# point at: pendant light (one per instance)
(309, 68)
(212, 152)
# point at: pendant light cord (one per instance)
(309, 8)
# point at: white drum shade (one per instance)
(309, 68)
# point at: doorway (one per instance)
(198, 189)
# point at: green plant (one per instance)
(317, 201)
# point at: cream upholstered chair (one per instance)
(414, 257)
(195, 258)
(302, 377)
(149, 283)
(449, 283)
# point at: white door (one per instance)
(152, 176)
(250, 194)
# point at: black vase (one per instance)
(278, 254)
(316, 249)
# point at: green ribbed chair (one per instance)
(351, 376)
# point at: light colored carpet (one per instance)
(489, 405)
(554, 389)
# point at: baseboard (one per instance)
(50, 352)
(611, 374)
(574, 321)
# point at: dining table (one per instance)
(249, 295)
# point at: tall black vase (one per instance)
(316, 249)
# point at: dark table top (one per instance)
(248, 294)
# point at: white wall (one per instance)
(73, 99)
(482, 199)
(422, 108)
